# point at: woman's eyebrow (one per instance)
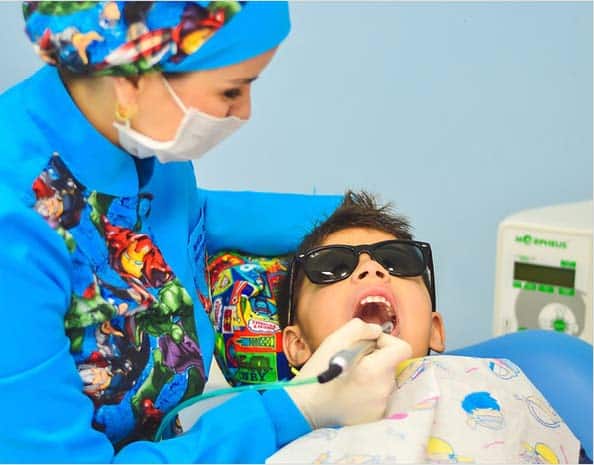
(244, 80)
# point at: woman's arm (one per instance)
(246, 429)
(262, 223)
(46, 417)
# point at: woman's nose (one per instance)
(369, 269)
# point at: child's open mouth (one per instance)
(377, 309)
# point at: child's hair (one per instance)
(357, 210)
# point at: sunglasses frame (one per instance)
(424, 247)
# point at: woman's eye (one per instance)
(232, 93)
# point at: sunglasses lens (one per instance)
(329, 265)
(401, 259)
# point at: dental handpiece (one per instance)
(342, 360)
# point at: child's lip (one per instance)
(379, 291)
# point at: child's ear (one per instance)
(295, 347)
(437, 338)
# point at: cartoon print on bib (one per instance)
(483, 411)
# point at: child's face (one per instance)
(321, 309)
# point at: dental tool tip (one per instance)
(388, 327)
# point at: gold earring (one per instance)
(123, 114)
(294, 371)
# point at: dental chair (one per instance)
(272, 225)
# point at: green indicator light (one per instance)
(568, 291)
(568, 264)
(530, 286)
(559, 325)
(518, 284)
(546, 288)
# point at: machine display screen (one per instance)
(564, 277)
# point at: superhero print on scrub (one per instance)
(130, 322)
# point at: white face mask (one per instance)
(197, 133)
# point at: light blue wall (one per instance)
(459, 113)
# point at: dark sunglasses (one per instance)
(332, 263)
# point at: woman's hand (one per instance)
(360, 394)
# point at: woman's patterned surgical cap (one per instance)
(129, 38)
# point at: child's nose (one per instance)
(369, 269)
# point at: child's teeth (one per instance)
(375, 299)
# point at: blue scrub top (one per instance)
(101, 276)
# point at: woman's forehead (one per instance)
(357, 236)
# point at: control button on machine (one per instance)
(558, 317)
(546, 288)
(568, 291)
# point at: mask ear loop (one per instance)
(175, 97)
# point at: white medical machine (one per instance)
(543, 277)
